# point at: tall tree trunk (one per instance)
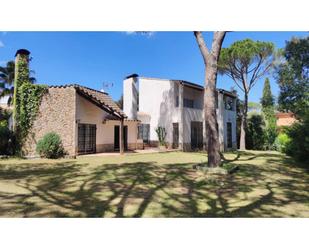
(211, 68)
(243, 127)
(213, 145)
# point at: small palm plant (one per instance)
(161, 135)
(7, 75)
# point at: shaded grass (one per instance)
(153, 185)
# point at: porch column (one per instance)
(121, 140)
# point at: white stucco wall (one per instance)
(130, 97)
(4, 100)
(88, 113)
(157, 98)
(157, 107)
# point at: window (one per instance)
(177, 101)
(228, 103)
(86, 138)
(188, 103)
(143, 132)
(229, 134)
(175, 135)
(196, 135)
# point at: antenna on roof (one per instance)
(106, 86)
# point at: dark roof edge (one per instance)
(22, 51)
(226, 92)
(134, 75)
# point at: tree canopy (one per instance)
(246, 61)
(267, 99)
(293, 77)
(7, 76)
(268, 110)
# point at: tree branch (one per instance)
(217, 42)
(202, 45)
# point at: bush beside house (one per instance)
(50, 146)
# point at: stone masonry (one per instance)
(57, 114)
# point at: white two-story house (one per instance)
(177, 106)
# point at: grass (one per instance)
(154, 185)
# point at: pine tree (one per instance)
(268, 110)
(245, 62)
(267, 99)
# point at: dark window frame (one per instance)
(143, 132)
(86, 138)
(229, 135)
(188, 103)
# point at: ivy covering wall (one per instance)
(27, 99)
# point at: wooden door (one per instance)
(175, 135)
(86, 138)
(196, 135)
(116, 137)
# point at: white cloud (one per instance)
(1, 44)
(143, 33)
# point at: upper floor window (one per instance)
(228, 103)
(177, 101)
(188, 103)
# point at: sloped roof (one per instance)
(112, 117)
(101, 99)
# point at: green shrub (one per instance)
(298, 147)
(7, 139)
(50, 146)
(270, 129)
(161, 133)
(282, 142)
(254, 133)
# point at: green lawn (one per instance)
(153, 185)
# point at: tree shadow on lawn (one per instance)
(248, 156)
(144, 189)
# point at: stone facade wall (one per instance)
(56, 113)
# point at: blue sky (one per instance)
(91, 58)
